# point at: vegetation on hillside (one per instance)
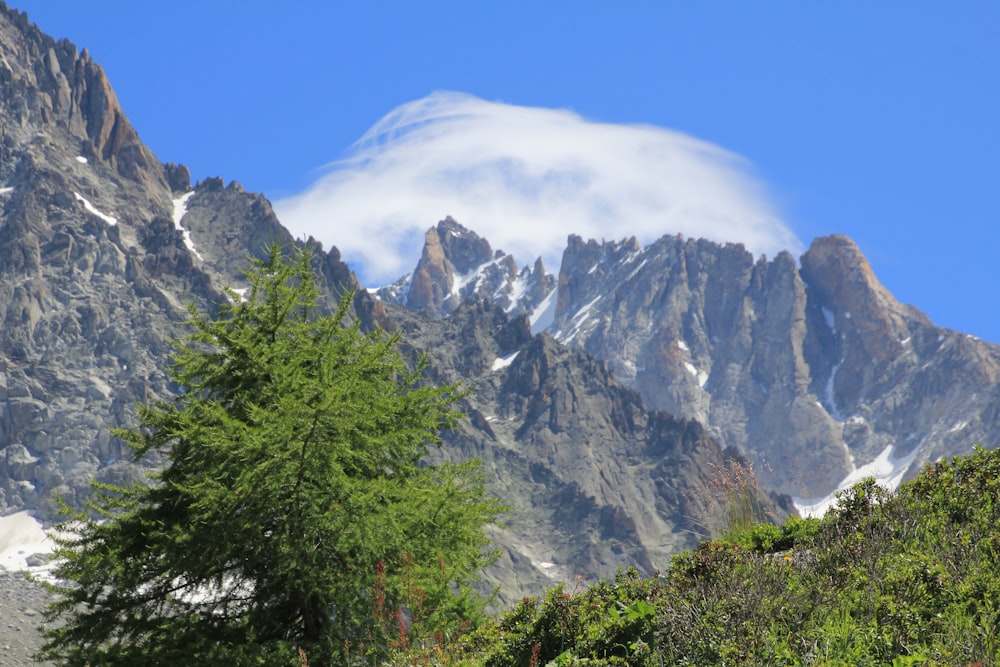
(910, 577)
(295, 521)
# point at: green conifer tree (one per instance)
(295, 519)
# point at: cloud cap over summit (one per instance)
(525, 178)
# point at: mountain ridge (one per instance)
(96, 274)
(773, 353)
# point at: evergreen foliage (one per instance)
(295, 521)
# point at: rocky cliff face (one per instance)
(704, 331)
(85, 324)
(812, 372)
(594, 479)
(52, 92)
(96, 267)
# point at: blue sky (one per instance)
(876, 120)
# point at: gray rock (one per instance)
(595, 480)
(457, 265)
(809, 369)
(20, 602)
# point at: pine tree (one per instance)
(295, 518)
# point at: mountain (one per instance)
(810, 369)
(813, 370)
(102, 247)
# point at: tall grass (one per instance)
(730, 502)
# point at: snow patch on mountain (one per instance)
(180, 208)
(636, 270)
(21, 537)
(886, 469)
(111, 220)
(544, 314)
(518, 288)
(577, 322)
(504, 362)
(699, 375)
(830, 321)
(828, 393)
(394, 293)
(460, 280)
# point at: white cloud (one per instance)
(525, 178)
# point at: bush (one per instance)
(904, 578)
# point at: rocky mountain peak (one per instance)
(587, 264)
(805, 369)
(865, 327)
(49, 88)
(102, 248)
(462, 248)
(450, 251)
(457, 265)
(836, 270)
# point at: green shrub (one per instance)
(901, 578)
